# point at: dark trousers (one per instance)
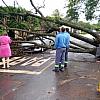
(66, 55)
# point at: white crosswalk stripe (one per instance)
(30, 61)
(37, 65)
(18, 61)
(19, 71)
(26, 71)
(41, 62)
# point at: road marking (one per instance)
(19, 71)
(36, 61)
(47, 66)
(41, 62)
(29, 61)
(25, 71)
(12, 59)
(18, 61)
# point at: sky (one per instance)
(50, 5)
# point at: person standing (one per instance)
(58, 31)
(67, 47)
(5, 50)
(60, 46)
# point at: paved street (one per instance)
(32, 78)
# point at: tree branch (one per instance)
(37, 10)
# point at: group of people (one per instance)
(62, 42)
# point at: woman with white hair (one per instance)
(5, 50)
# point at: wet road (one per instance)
(32, 78)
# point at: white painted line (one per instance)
(41, 62)
(19, 71)
(18, 61)
(13, 58)
(26, 71)
(29, 61)
(47, 66)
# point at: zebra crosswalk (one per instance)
(28, 61)
(24, 61)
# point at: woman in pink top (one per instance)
(5, 51)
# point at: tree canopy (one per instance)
(89, 8)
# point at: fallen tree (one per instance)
(95, 41)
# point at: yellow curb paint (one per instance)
(98, 87)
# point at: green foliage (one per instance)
(2, 29)
(56, 15)
(48, 25)
(96, 26)
(89, 26)
(86, 7)
(85, 25)
(11, 9)
(72, 12)
(90, 8)
(25, 22)
(37, 23)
